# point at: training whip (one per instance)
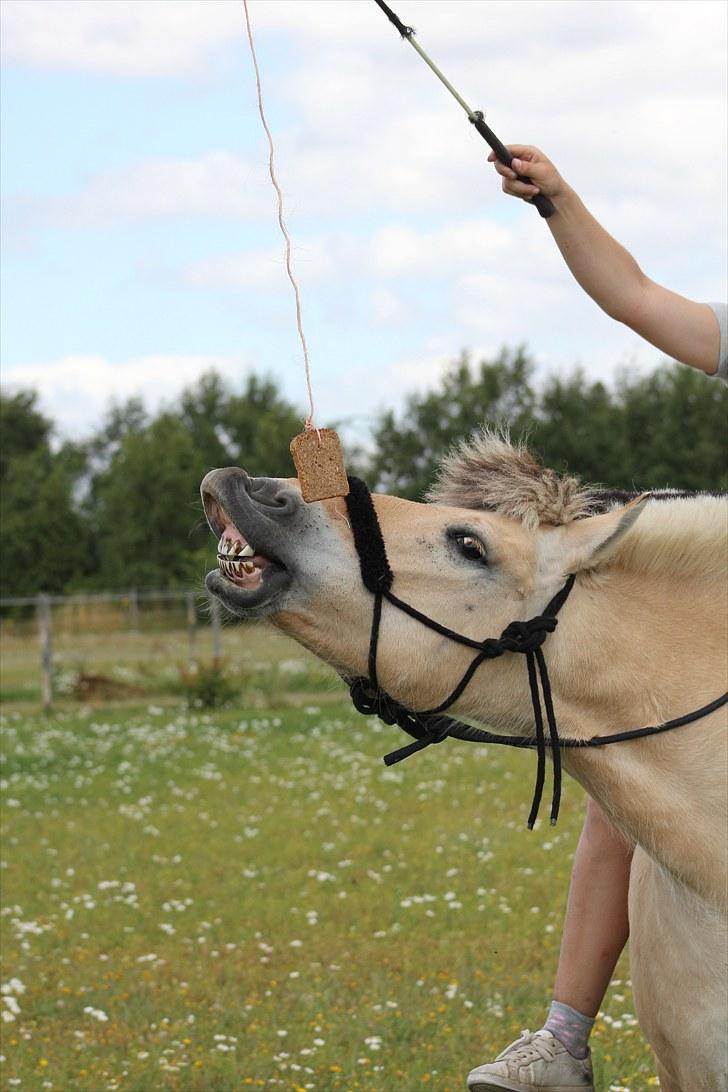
(475, 117)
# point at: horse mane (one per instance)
(681, 532)
(488, 471)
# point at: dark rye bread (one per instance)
(319, 463)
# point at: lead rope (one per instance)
(281, 222)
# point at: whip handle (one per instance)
(541, 202)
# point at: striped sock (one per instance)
(570, 1027)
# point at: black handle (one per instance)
(541, 202)
(403, 30)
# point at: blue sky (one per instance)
(140, 245)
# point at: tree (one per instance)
(579, 426)
(146, 509)
(409, 450)
(144, 494)
(261, 425)
(647, 432)
(122, 419)
(252, 429)
(676, 426)
(23, 428)
(43, 537)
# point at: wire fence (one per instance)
(86, 626)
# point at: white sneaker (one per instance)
(536, 1061)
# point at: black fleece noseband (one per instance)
(527, 638)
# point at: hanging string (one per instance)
(281, 221)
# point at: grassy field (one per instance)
(247, 898)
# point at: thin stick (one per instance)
(281, 221)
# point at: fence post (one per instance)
(46, 649)
(215, 620)
(191, 626)
(134, 610)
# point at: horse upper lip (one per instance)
(250, 512)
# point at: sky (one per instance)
(140, 245)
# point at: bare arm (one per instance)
(681, 328)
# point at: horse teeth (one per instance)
(234, 550)
(248, 566)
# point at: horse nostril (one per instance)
(272, 494)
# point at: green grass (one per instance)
(241, 900)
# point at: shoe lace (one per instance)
(528, 1048)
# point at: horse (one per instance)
(641, 639)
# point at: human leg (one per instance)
(596, 925)
(595, 931)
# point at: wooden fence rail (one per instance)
(132, 598)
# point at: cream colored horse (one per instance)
(641, 639)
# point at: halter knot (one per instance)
(527, 636)
(364, 697)
(370, 699)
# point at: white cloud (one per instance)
(400, 250)
(386, 185)
(264, 268)
(623, 95)
(420, 373)
(132, 38)
(125, 38)
(76, 389)
(218, 184)
(388, 308)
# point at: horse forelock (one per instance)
(489, 472)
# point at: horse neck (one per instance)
(631, 651)
(634, 651)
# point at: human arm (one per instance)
(682, 328)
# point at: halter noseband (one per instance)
(431, 726)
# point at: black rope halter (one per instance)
(431, 726)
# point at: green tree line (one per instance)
(122, 509)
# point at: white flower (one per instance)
(16, 986)
(97, 1014)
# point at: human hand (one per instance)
(531, 162)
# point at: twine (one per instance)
(271, 168)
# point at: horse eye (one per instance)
(471, 548)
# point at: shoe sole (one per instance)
(498, 1084)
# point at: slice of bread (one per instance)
(319, 463)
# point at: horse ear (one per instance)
(587, 543)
